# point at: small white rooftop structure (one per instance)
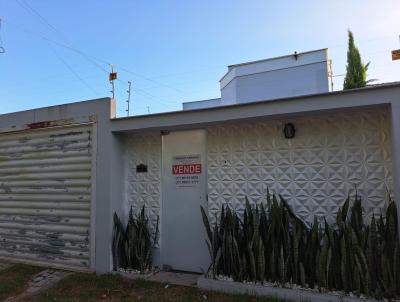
(281, 77)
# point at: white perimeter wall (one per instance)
(329, 156)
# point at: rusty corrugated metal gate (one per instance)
(45, 196)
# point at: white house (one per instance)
(282, 77)
(65, 170)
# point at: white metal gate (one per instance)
(184, 188)
(45, 196)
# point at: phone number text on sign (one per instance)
(186, 170)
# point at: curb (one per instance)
(275, 292)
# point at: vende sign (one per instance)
(186, 169)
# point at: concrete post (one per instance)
(395, 117)
(106, 152)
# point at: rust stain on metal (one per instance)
(46, 124)
(39, 125)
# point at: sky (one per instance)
(172, 51)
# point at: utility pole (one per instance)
(128, 101)
(112, 76)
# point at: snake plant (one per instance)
(132, 245)
(269, 242)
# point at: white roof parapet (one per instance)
(270, 64)
(201, 104)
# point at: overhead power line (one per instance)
(149, 79)
(75, 73)
(30, 9)
(101, 63)
(149, 95)
(93, 60)
(30, 32)
(33, 11)
(142, 91)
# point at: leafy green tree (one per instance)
(356, 71)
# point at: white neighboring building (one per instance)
(281, 77)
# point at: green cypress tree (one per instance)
(356, 71)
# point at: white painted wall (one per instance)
(281, 83)
(330, 155)
(143, 188)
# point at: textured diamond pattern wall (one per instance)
(143, 188)
(329, 156)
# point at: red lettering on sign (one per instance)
(186, 169)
